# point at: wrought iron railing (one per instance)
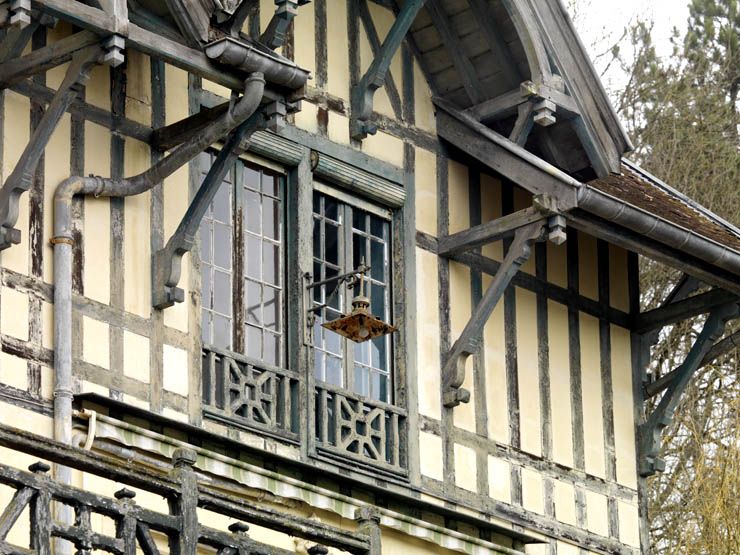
(181, 486)
(364, 430)
(245, 392)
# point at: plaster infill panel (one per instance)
(425, 188)
(427, 345)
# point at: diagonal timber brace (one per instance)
(19, 181)
(167, 263)
(277, 30)
(362, 93)
(650, 432)
(453, 372)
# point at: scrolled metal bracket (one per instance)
(650, 433)
(167, 262)
(361, 96)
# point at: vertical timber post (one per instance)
(368, 523)
(186, 504)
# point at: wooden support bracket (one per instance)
(650, 432)
(21, 177)
(362, 93)
(682, 310)
(453, 372)
(277, 30)
(166, 263)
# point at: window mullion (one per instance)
(238, 286)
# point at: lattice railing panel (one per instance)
(245, 392)
(365, 430)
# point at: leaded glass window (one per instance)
(344, 236)
(242, 263)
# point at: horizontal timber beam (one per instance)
(16, 70)
(507, 103)
(497, 229)
(503, 156)
(682, 310)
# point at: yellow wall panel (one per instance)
(175, 370)
(138, 87)
(459, 197)
(490, 196)
(56, 169)
(624, 420)
(137, 257)
(381, 102)
(337, 128)
(384, 147)
(95, 349)
(465, 468)
(425, 183)
(337, 63)
(424, 116)
(96, 276)
(568, 549)
(97, 89)
(16, 132)
(176, 99)
(13, 372)
(563, 495)
(528, 371)
(557, 264)
(597, 513)
(14, 313)
(176, 200)
(430, 447)
(629, 524)
(495, 368)
(532, 498)
(618, 279)
(136, 356)
(460, 310)
(307, 118)
(560, 394)
(593, 421)
(499, 479)
(304, 32)
(588, 275)
(427, 346)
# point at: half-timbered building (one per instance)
(345, 276)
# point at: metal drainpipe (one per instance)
(63, 242)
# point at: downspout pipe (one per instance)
(63, 242)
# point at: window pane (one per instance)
(271, 353)
(222, 245)
(222, 292)
(331, 208)
(270, 218)
(205, 282)
(271, 263)
(205, 241)
(252, 206)
(334, 370)
(378, 227)
(377, 261)
(251, 178)
(361, 381)
(221, 331)
(222, 204)
(254, 342)
(253, 258)
(253, 305)
(331, 244)
(359, 251)
(271, 308)
(359, 220)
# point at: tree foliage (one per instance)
(682, 114)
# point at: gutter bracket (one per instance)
(650, 432)
(361, 96)
(20, 179)
(550, 226)
(166, 263)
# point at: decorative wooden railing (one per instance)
(349, 425)
(244, 392)
(181, 486)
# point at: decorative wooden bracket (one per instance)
(20, 179)
(527, 227)
(362, 93)
(650, 432)
(277, 30)
(166, 263)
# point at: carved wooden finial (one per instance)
(124, 494)
(39, 467)
(184, 457)
(239, 528)
(317, 550)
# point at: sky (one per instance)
(602, 22)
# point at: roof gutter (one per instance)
(646, 224)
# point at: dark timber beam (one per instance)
(503, 156)
(362, 93)
(16, 39)
(495, 230)
(685, 286)
(719, 349)
(496, 43)
(453, 372)
(650, 432)
(21, 177)
(682, 310)
(523, 124)
(176, 133)
(506, 104)
(456, 50)
(277, 30)
(16, 70)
